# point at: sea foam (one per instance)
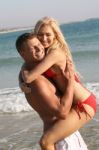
(12, 100)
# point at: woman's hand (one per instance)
(25, 75)
(25, 88)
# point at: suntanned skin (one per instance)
(44, 100)
(53, 113)
(33, 54)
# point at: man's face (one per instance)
(33, 50)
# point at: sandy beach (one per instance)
(19, 131)
(90, 133)
(22, 131)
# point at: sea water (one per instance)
(83, 40)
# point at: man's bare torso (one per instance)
(43, 99)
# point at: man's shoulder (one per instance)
(39, 82)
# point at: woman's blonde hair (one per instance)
(60, 41)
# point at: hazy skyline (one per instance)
(23, 13)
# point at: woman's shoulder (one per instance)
(57, 51)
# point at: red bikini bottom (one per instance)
(91, 101)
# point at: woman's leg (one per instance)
(64, 128)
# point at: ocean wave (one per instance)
(86, 52)
(12, 100)
(17, 58)
(10, 60)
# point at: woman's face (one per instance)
(46, 36)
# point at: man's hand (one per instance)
(66, 100)
(62, 112)
(69, 71)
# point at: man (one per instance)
(42, 97)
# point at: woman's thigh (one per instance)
(64, 128)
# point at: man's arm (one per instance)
(43, 98)
(44, 91)
(67, 98)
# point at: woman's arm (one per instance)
(50, 59)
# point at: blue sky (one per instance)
(19, 13)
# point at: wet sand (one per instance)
(19, 131)
(22, 131)
(90, 133)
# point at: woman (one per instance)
(84, 103)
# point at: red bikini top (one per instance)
(49, 73)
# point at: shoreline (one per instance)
(14, 30)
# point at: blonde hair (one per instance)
(59, 42)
